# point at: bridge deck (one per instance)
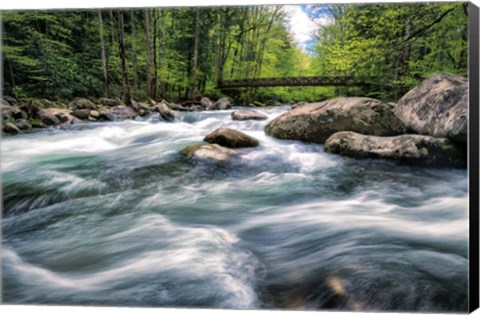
(290, 81)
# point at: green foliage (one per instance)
(391, 47)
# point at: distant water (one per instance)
(112, 214)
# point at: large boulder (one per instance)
(206, 102)
(81, 114)
(208, 152)
(11, 128)
(48, 118)
(437, 107)
(122, 112)
(105, 114)
(174, 106)
(82, 103)
(23, 124)
(412, 149)
(222, 103)
(109, 101)
(13, 112)
(10, 100)
(231, 138)
(248, 115)
(165, 111)
(315, 122)
(64, 115)
(30, 109)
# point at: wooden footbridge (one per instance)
(291, 81)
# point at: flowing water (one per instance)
(113, 214)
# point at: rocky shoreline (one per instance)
(428, 126)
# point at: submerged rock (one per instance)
(315, 122)
(231, 138)
(437, 107)
(247, 115)
(222, 103)
(208, 152)
(412, 149)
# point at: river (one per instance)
(112, 214)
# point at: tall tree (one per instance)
(134, 52)
(121, 49)
(149, 52)
(104, 56)
(194, 82)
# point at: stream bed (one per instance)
(113, 214)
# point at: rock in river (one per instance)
(208, 152)
(82, 114)
(222, 103)
(165, 111)
(81, 103)
(231, 138)
(11, 128)
(247, 115)
(412, 149)
(315, 122)
(437, 107)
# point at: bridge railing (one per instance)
(291, 81)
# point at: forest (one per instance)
(181, 53)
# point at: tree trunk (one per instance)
(10, 70)
(193, 85)
(134, 52)
(104, 55)
(121, 51)
(155, 39)
(149, 53)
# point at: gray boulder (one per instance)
(222, 103)
(11, 128)
(174, 106)
(212, 152)
(48, 118)
(81, 114)
(109, 101)
(165, 111)
(64, 115)
(231, 138)
(23, 124)
(9, 111)
(206, 102)
(315, 122)
(411, 149)
(10, 100)
(248, 115)
(94, 114)
(123, 112)
(437, 107)
(82, 103)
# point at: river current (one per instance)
(113, 214)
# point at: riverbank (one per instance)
(428, 126)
